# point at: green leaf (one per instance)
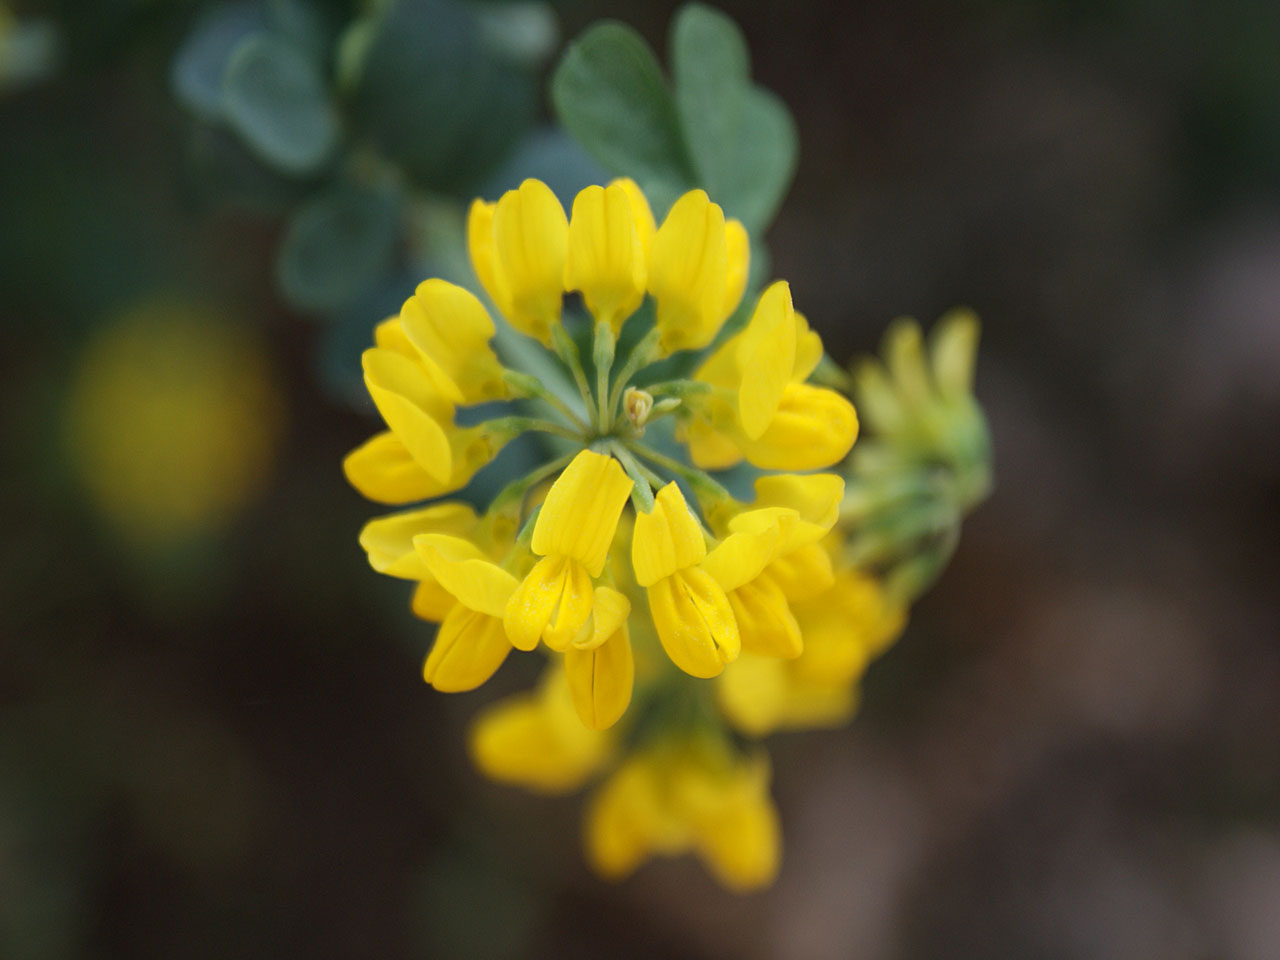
(552, 156)
(201, 61)
(337, 246)
(275, 98)
(303, 23)
(712, 77)
(434, 97)
(611, 96)
(767, 149)
(523, 31)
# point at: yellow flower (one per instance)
(601, 671)
(172, 422)
(471, 643)
(697, 271)
(388, 541)
(424, 454)
(450, 331)
(558, 561)
(535, 740)
(609, 235)
(759, 406)
(768, 558)
(572, 535)
(762, 694)
(518, 249)
(844, 629)
(690, 611)
(687, 797)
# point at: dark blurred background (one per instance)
(214, 740)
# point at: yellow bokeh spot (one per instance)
(172, 422)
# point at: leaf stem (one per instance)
(527, 386)
(567, 350)
(642, 490)
(698, 479)
(602, 355)
(518, 425)
(516, 489)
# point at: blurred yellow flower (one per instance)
(683, 796)
(172, 422)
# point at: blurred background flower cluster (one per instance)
(214, 739)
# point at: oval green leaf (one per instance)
(275, 98)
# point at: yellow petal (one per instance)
(432, 601)
(619, 818)
(530, 241)
(753, 693)
(695, 622)
(815, 498)
(710, 446)
(808, 350)
(738, 264)
(389, 540)
(451, 328)
(609, 612)
(688, 273)
(537, 741)
(720, 369)
(813, 428)
(766, 356)
(743, 555)
(481, 252)
(463, 569)
(470, 646)
(552, 603)
(390, 335)
(759, 695)
(412, 406)
(600, 680)
(580, 515)
(803, 573)
(742, 842)
(572, 615)
(844, 629)
(641, 215)
(382, 470)
(667, 539)
(606, 258)
(765, 622)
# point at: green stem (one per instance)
(516, 489)
(642, 354)
(603, 354)
(518, 425)
(642, 490)
(831, 374)
(679, 388)
(567, 350)
(698, 479)
(527, 386)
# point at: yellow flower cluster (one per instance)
(632, 569)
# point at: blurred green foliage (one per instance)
(716, 130)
